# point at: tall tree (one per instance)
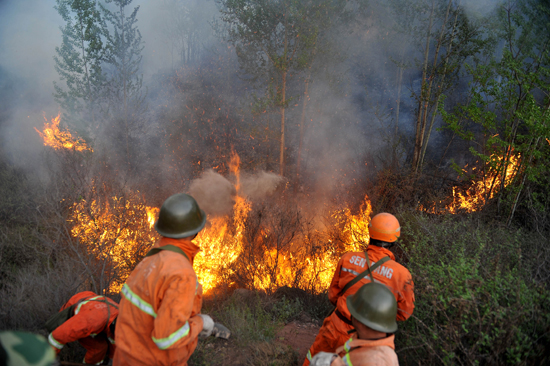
(123, 60)
(78, 62)
(274, 41)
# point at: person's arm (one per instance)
(174, 326)
(334, 288)
(405, 302)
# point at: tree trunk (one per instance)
(418, 128)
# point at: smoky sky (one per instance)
(341, 131)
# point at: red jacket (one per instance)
(361, 352)
(89, 325)
(392, 274)
(159, 322)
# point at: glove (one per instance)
(221, 331)
(323, 359)
(207, 327)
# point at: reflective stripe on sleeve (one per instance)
(346, 345)
(137, 301)
(111, 340)
(54, 342)
(85, 302)
(309, 355)
(172, 338)
(347, 360)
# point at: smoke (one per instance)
(349, 119)
(215, 193)
(260, 185)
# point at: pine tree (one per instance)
(78, 63)
(124, 43)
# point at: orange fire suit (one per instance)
(362, 352)
(89, 326)
(397, 278)
(159, 322)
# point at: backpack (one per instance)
(57, 319)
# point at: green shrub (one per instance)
(475, 300)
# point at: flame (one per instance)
(118, 231)
(480, 192)
(115, 232)
(152, 213)
(58, 139)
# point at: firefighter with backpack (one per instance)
(89, 319)
(355, 269)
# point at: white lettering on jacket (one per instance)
(381, 270)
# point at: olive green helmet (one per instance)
(25, 349)
(180, 217)
(374, 306)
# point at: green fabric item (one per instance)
(26, 349)
(169, 247)
(59, 318)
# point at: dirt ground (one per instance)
(299, 336)
(288, 349)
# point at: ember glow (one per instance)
(59, 139)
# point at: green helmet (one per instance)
(25, 349)
(180, 217)
(375, 306)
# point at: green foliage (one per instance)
(286, 310)
(506, 114)
(78, 61)
(476, 300)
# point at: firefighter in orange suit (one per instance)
(373, 311)
(160, 320)
(92, 324)
(384, 229)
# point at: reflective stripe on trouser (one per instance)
(164, 343)
(54, 342)
(138, 301)
(309, 355)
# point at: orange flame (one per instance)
(477, 195)
(118, 231)
(58, 139)
(114, 231)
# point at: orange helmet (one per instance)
(384, 227)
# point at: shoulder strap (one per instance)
(169, 247)
(364, 273)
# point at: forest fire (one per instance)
(59, 139)
(480, 192)
(241, 249)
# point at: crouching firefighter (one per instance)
(376, 264)
(373, 310)
(160, 319)
(89, 319)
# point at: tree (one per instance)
(274, 41)
(509, 103)
(186, 28)
(123, 60)
(78, 61)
